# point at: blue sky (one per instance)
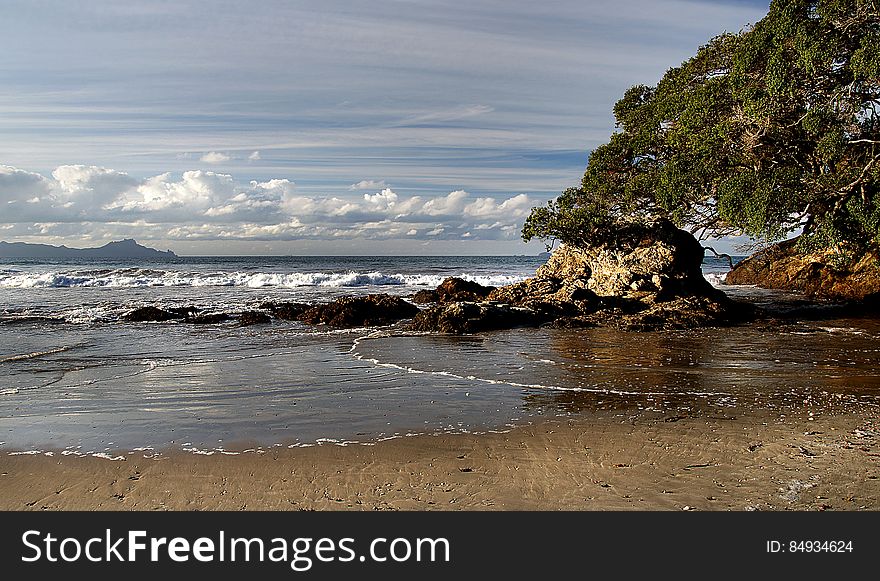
(330, 127)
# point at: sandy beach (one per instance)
(646, 461)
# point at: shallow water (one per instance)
(95, 385)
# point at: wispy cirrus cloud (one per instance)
(215, 157)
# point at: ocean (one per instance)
(76, 379)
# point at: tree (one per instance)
(762, 133)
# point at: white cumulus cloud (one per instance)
(95, 202)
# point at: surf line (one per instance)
(384, 334)
(34, 355)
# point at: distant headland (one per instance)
(127, 248)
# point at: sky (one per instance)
(317, 127)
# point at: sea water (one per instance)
(76, 379)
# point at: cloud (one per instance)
(380, 86)
(386, 198)
(490, 208)
(91, 202)
(14, 181)
(453, 203)
(215, 157)
(455, 114)
(255, 156)
(367, 185)
(86, 188)
(195, 192)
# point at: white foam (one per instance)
(106, 456)
(131, 278)
(845, 330)
(715, 278)
(32, 355)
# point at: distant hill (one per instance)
(127, 248)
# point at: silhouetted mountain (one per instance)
(127, 248)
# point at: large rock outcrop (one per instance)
(657, 258)
(823, 274)
(642, 277)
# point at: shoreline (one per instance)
(755, 460)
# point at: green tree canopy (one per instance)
(762, 133)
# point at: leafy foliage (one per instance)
(762, 133)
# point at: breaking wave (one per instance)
(129, 278)
(715, 278)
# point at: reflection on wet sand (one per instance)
(697, 371)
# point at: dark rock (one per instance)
(253, 318)
(871, 302)
(286, 311)
(825, 274)
(467, 317)
(144, 314)
(576, 322)
(454, 289)
(426, 296)
(377, 309)
(680, 313)
(209, 319)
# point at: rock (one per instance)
(458, 289)
(470, 317)
(656, 257)
(823, 274)
(376, 309)
(253, 318)
(550, 296)
(426, 296)
(286, 311)
(644, 276)
(521, 292)
(209, 319)
(454, 289)
(679, 313)
(144, 314)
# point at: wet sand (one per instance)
(755, 461)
